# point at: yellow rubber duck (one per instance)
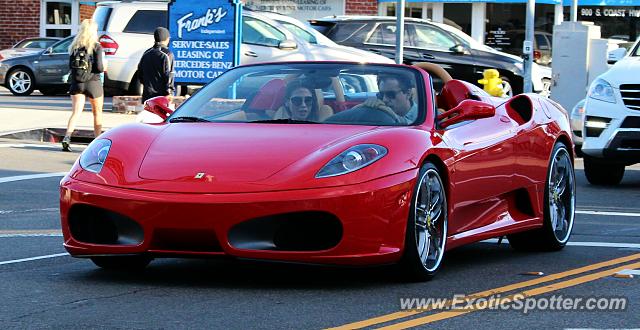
(492, 82)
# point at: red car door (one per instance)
(483, 170)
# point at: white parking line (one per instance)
(588, 244)
(50, 209)
(31, 176)
(619, 214)
(30, 233)
(33, 258)
(29, 145)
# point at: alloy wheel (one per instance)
(20, 81)
(561, 195)
(431, 220)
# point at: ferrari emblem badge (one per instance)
(199, 175)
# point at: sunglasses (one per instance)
(388, 94)
(297, 100)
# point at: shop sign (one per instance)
(203, 38)
(498, 39)
(609, 12)
(300, 9)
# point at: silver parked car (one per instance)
(28, 46)
(577, 121)
(42, 70)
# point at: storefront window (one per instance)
(411, 10)
(59, 13)
(506, 26)
(59, 18)
(460, 14)
(60, 33)
(615, 22)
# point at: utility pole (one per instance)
(527, 47)
(399, 31)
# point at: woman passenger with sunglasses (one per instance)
(299, 104)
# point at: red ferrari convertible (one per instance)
(328, 163)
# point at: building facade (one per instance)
(495, 22)
(21, 19)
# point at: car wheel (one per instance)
(559, 206)
(507, 90)
(426, 233)
(601, 173)
(20, 82)
(122, 262)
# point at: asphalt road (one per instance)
(58, 291)
(43, 287)
(40, 102)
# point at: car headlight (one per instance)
(93, 158)
(578, 110)
(352, 159)
(601, 90)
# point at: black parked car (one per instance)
(41, 70)
(425, 41)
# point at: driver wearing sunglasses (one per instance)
(395, 95)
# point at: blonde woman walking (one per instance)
(86, 63)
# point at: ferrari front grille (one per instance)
(298, 231)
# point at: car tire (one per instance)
(133, 263)
(426, 232)
(559, 207)
(20, 82)
(601, 173)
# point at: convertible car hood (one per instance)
(234, 153)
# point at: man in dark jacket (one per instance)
(155, 70)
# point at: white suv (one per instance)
(126, 31)
(611, 131)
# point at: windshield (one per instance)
(465, 39)
(310, 93)
(299, 32)
(101, 16)
(636, 49)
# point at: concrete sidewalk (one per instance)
(16, 120)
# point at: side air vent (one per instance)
(520, 109)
